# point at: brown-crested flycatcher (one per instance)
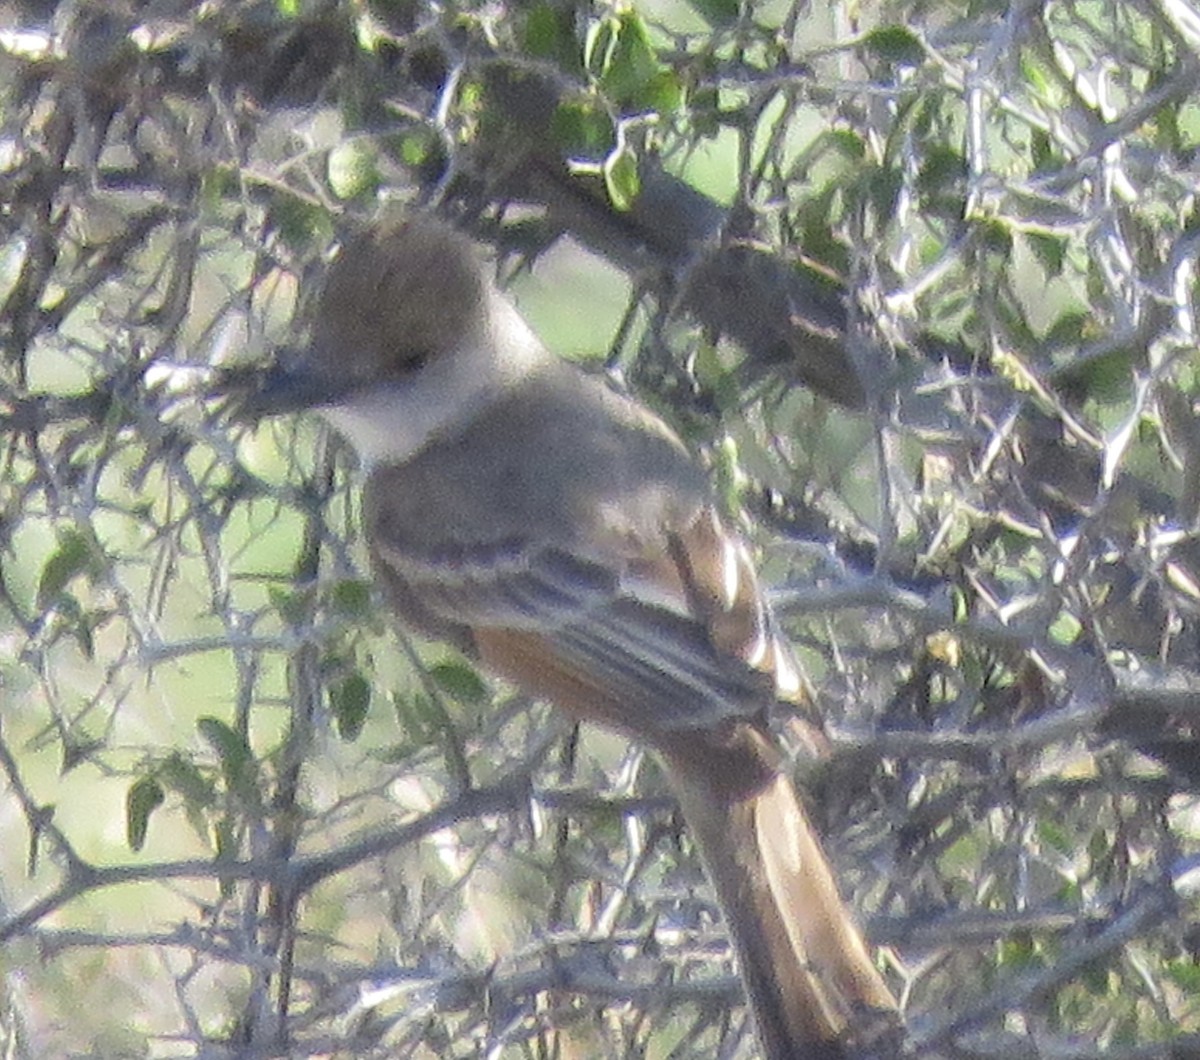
(558, 533)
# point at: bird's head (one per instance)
(398, 296)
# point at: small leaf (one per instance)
(1068, 329)
(882, 184)
(1185, 973)
(1065, 629)
(84, 630)
(145, 796)
(1017, 951)
(598, 45)
(293, 605)
(71, 558)
(1103, 377)
(179, 773)
(417, 718)
(705, 112)
(1051, 251)
(621, 178)
(1035, 73)
(415, 148)
(351, 598)
(1041, 151)
(895, 44)
(300, 225)
(624, 59)
(549, 33)
(1055, 836)
(943, 169)
(350, 701)
(995, 235)
(847, 143)
(663, 93)
(582, 127)
(77, 749)
(540, 32)
(225, 840)
(727, 470)
(352, 170)
(719, 13)
(460, 681)
(233, 752)
(714, 377)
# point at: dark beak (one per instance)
(288, 385)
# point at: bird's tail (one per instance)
(814, 991)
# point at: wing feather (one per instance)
(677, 632)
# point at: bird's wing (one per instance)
(670, 634)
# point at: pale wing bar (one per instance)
(649, 655)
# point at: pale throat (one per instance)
(394, 420)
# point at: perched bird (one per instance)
(558, 533)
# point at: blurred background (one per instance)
(916, 281)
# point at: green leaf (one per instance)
(623, 60)
(715, 377)
(1018, 952)
(1050, 250)
(301, 225)
(1041, 150)
(995, 235)
(621, 178)
(87, 625)
(350, 701)
(847, 143)
(179, 773)
(705, 112)
(895, 44)
(417, 718)
(293, 605)
(1106, 377)
(225, 840)
(943, 168)
(598, 45)
(353, 171)
(1055, 836)
(1065, 629)
(71, 558)
(1185, 973)
(719, 13)
(144, 797)
(77, 749)
(415, 148)
(218, 184)
(351, 598)
(540, 32)
(459, 680)
(548, 32)
(727, 470)
(882, 185)
(582, 127)
(663, 92)
(234, 755)
(1068, 329)
(1035, 73)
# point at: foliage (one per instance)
(916, 279)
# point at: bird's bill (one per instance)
(291, 385)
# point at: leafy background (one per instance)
(915, 280)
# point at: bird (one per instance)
(557, 532)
